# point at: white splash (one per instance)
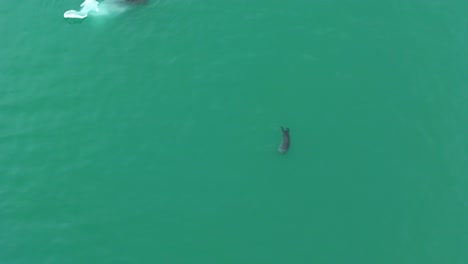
(86, 7)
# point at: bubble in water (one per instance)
(86, 7)
(107, 7)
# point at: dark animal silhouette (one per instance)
(283, 148)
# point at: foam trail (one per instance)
(86, 7)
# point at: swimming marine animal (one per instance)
(283, 148)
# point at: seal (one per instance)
(283, 148)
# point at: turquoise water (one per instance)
(149, 134)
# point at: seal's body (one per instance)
(283, 148)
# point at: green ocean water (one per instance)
(149, 134)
